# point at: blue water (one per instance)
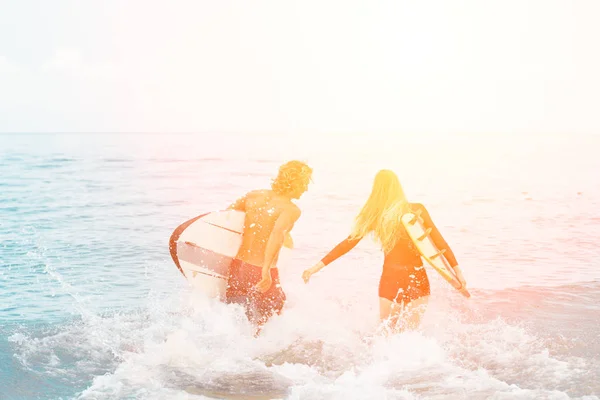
(91, 305)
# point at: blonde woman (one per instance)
(404, 286)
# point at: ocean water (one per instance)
(92, 306)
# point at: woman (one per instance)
(404, 286)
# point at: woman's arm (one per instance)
(342, 248)
(436, 236)
(440, 242)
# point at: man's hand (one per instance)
(265, 283)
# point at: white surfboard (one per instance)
(204, 247)
(428, 250)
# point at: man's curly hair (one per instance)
(292, 176)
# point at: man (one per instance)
(270, 216)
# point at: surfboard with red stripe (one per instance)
(203, 248)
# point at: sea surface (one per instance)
(92, 306)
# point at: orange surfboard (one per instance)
(434, 257)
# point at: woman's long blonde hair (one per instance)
(382, 212)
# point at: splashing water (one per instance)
(91, 305)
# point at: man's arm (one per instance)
(283, 225)
(239, 204)
(285, 222)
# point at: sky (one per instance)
(300, 67)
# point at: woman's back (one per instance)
(404, 252)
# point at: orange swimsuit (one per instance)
(403, 278)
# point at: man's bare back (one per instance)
(253, 280)
(263, 208)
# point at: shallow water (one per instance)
(91, 305)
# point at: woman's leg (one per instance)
(413, 312)
(389, 312)
(403, 297)
(385, 308)
(400, 316)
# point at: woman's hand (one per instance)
(311, 271)
(307, 274)
(460, 276)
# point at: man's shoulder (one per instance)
(257, 193)
(291, 212)
(293, 208)
(289, 209)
